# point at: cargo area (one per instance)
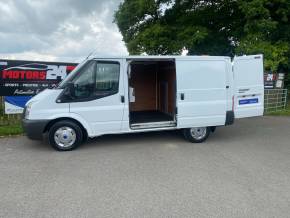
(152, 93)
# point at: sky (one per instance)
(58, 30)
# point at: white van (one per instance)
(147, 93)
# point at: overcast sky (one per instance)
(61, 30)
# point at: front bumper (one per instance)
(34, 129)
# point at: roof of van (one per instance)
(201, 57)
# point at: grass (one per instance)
(12, 129)
(9, 124)
(284, 112)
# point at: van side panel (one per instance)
(201, 92)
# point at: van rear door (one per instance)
(248, 86)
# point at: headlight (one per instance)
(27, 110)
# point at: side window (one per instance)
(85, 81)
(96, 80)
(107, 78)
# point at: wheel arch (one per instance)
(52, 122)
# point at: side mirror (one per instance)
(68, 93)
(70, 90)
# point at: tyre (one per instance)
(65, 135)
(196, 134)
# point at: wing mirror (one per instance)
(70, 88)
(68, 93)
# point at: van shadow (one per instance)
(222, 135)
(239, 131)
(36, 145)
(135, 138)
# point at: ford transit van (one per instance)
(132, 94)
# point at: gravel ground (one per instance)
(240, 171)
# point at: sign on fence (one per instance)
(15, 104)
(20, 80)
(274, 80)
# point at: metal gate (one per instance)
(275, 99)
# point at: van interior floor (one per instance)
(149, 117)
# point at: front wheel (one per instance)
(196, 134)
(65, 135)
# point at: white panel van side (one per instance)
(147, 93)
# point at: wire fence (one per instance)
(275, 100)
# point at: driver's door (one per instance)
(99, 94)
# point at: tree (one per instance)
(211, 27)
(267, 31)
(167, 27)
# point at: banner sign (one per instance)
(274, 80)
(20, 80)
(27, 78)
(269, 80)
(280, 81)
(15, 104)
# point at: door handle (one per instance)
(122, 99)
(243, 90)
(182, 96)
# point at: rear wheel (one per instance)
(65, 135)
(196, 134)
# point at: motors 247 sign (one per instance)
(27, 78)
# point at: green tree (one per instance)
(267, 31)
(212, 27)
(167, 27)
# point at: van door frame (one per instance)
(126, 126)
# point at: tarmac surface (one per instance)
(240, 171)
